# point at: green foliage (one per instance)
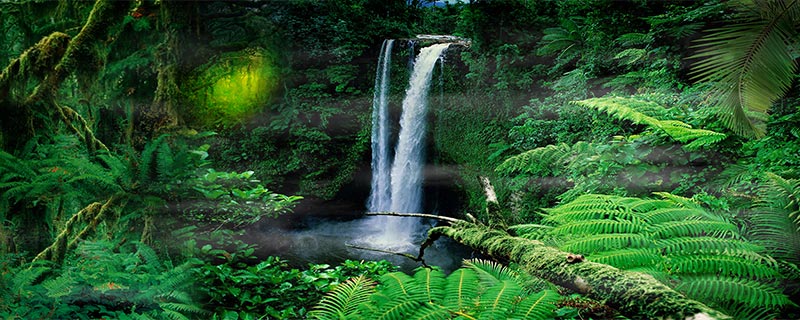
(750, 63)
(639, 112)
(344, 299)
(676, 241)
(232, 281)
(776, 221)
(480, 289)
(102, 279)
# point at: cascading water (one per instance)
(379, 197)
(407, 167)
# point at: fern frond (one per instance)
(628, 258)
(344, 299)
(395, 309)
(743, 291)
(530, 231)
(148, 256)
(147, 169)
(721, 265)
(543, 161)
(26, 277)
(491, 273)
(634, 39)
(687, 245)
(671, 214)
(433, 281)
(627, 109)
(59, 286)
(598, 226)
(776, 220)
(695, 227)
(398, 284)
(461, 290)
(497, 302)
(606, 242)
(430, 312)
(537, 306)
(183, 308)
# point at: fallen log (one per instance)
(633, 294)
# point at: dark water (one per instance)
(330, 241)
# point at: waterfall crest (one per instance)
(405, 181)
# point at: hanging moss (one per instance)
(35, 62)
(231, 88)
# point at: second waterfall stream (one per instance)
(400, 188)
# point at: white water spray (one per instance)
(407, 168)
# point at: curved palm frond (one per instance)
(750, 64)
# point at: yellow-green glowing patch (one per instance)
(232, 88)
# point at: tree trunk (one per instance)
(633, 294)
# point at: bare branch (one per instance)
(415, 215)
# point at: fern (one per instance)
(433, 282)
(497, 302)
(537, 306)
(629, 258)
(544, 161)
(461, 290)
(776, 220)
(670, 238)
(344, 299)
(479, 290)
(747, 292)
(627, 109)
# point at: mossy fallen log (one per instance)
(634, 294)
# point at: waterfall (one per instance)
(408, 160)
(405, 182)
(379, 198)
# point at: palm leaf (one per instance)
(749, 63)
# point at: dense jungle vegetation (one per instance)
(645, 157)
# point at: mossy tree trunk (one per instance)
(51, 61)
(633, 294)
